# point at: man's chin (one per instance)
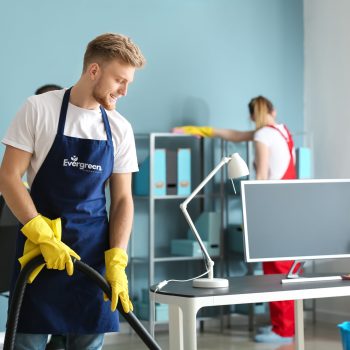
(108, 106)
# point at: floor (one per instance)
(320, 336)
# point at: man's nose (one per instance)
(123, 90)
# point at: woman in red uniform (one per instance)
(274, 160)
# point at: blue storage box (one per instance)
(345, 334)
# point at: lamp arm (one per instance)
(194, 230)
(183, 207)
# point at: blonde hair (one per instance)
(111, 46)
(260, 107)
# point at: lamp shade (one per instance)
(237, 167)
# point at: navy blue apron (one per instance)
(71, 185)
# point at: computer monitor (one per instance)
(296, 219)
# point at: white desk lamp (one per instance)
(236, 168)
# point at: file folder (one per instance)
(184, 171)
(142, 178)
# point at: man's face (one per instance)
(112, 83)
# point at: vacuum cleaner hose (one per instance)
(18, 293)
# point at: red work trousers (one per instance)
(281, 312)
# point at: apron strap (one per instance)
(106, 123)
(63, 113)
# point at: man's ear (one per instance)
(94, 71)
(274, 113)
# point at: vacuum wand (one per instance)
(18, 294)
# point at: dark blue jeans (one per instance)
(73, 341)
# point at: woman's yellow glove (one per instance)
(45, 234)
(204, 131)
(116, 260)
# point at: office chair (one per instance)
(8, 235)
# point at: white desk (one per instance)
(184, 302)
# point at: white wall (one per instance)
(327, 112)
(327, 84)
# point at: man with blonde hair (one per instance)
(71, 142)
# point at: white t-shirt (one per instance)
(35, 126)
(279, 155)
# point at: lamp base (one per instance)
(210, 283)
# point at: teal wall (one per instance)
(206, 58)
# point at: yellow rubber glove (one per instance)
(31, 250)
(44, 237)
(204, 131)
(116, 260)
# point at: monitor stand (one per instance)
(294, 275)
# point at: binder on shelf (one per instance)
(142, 178)
(184, 171)
(159, 173)
(178, 172)
(171, 172)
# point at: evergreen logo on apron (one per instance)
(73, 162)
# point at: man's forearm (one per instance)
(17, 197)
(120, 223)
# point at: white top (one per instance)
(35, 126)
(279, 155)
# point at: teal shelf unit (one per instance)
(158, 219)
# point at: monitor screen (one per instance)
(296, 219)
